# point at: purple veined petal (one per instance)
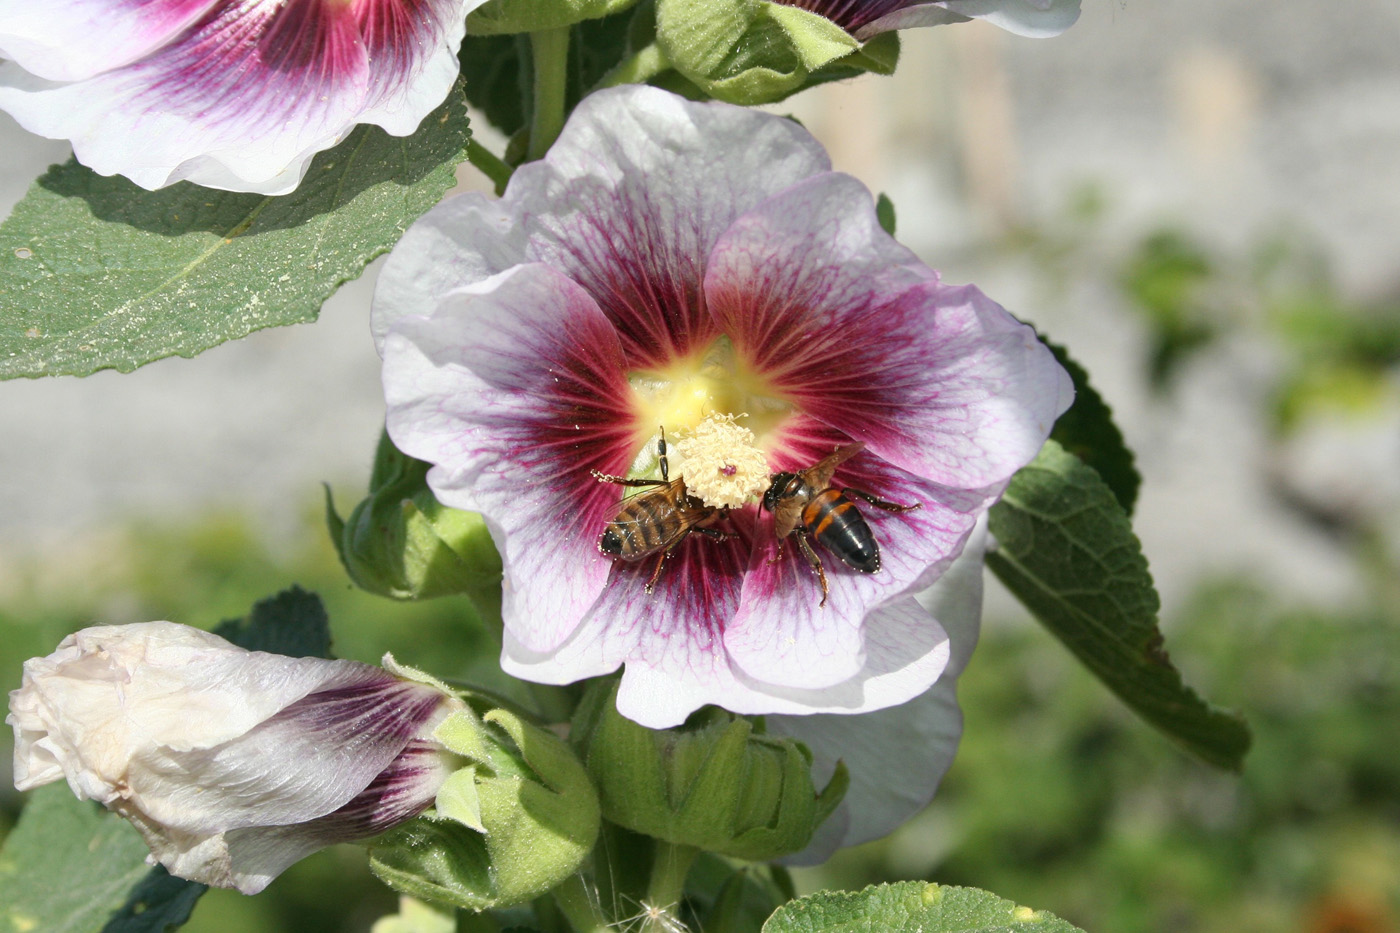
(68, 40)
(258, 854)
(461, 241)
(908, 652)
(308, 760)
(852, 328)
(896, 756)
(1037, 19)
(646, 198)
(515, 388)
(248, 94)
(112, 694)
(781, 633)
(672, 639)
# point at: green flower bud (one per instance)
(402, 543)
(713, 783)
(511, 16)
(517, 819)
(755, 51)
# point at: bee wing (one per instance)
(819, 476)
(786, 514)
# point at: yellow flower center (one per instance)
(720, 419)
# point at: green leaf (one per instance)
(96, 273)
(1066, 550)
(884, 213)
(67, 866)
(496, 79)
(516, 16)
(293, 623)
(911, 907)
(1087, 431)
(159, 904)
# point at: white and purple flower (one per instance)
(233, 764)
(234, 94)
(695, 268)
(866, 18)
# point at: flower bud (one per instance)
(755, 51)
(233, 764)
(713, 783)
(402, 543)
(511, 825)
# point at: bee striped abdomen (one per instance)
(647, 523)
(837, 524)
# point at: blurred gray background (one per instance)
(1230, 120)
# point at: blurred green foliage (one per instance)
(1059, 798)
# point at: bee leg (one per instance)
(624, 481)
(656, 574)
(881, 503)
(778, 554)
(816, 563)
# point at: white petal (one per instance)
(68, 40)
(896, 756)
(1034, 18)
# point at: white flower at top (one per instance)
(234, 94)
(233, 764)
(671, 264)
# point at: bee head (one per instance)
(775, 489)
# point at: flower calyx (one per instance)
(755, 51)
(514, 821)
(400, 542)
(715, 783)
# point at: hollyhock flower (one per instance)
(866, 18)
(698, 270)
(234, 95)
(233, 764)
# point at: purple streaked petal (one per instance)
(111, 695)
(310, 759)
(646, 198)
(672, 636)
(247, 95)
(515, 388)
(781, 633)
(896, 756)
(69, 40)
(258, 854)
(1036, 19)
(849, 325)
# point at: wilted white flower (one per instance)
(233, 764)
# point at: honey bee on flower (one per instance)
(679, 267)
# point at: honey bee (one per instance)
(806, 503)
(658, 519)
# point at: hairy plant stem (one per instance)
(491, 165)
(550, 50)
(669, 867)
(638, 68)
(577, 903)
